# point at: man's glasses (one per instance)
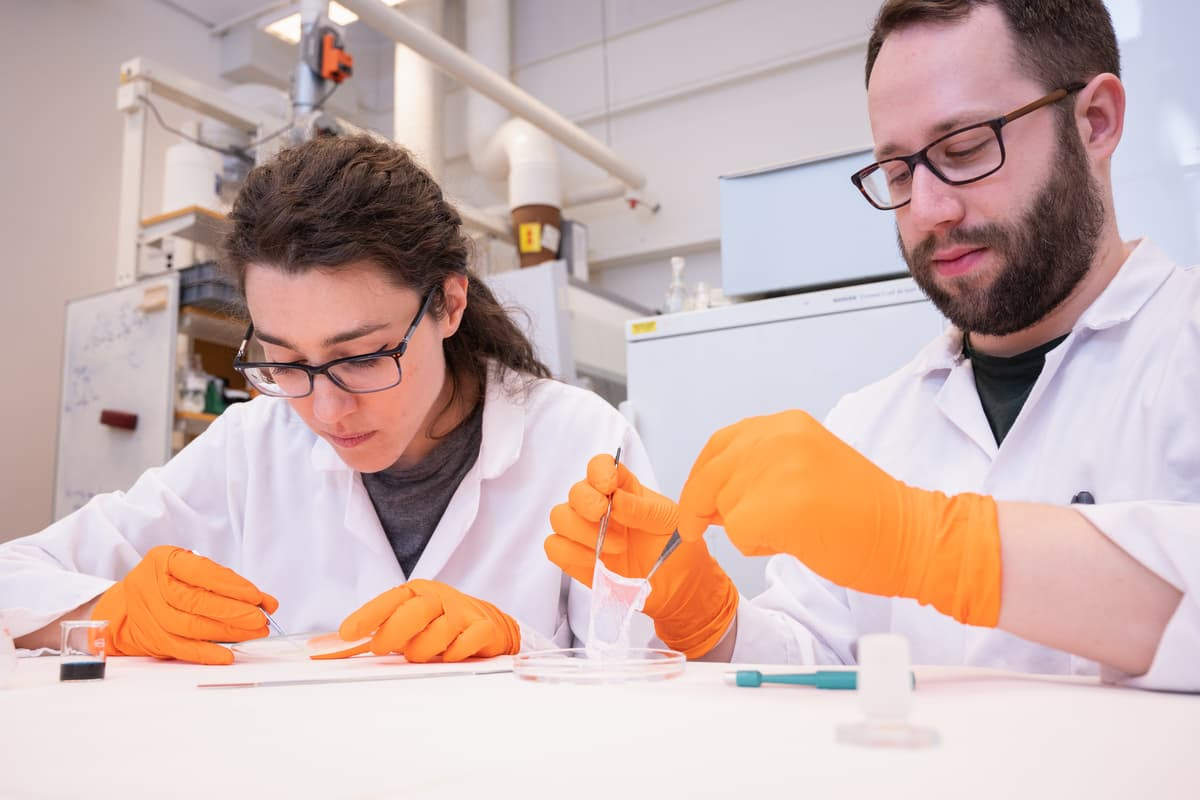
(372, 372)
(961, 156)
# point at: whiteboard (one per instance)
(118, 355)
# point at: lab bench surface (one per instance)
(147, 731)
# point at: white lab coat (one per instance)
(1115, 412)
(262, 494)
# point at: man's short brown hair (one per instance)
(1058, 42)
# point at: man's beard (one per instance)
(1043, 256)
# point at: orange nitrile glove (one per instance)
(176, 604)
(692, 601)
(785, 484)
(428, 621)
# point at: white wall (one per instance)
(61, 167)
(695, 89)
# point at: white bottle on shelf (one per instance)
(194, 385)
(677, 292)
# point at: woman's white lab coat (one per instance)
(260, 493)
(1115, 412)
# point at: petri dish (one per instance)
(295, 646)
(572, 665)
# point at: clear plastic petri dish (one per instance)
(294, 647)
(572, 665)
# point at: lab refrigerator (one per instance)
(690, 374)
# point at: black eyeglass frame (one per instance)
(922, 157)
(324, 369)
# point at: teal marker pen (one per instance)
(821, 679)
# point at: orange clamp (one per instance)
(336, 63)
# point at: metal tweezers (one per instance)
(669, 548)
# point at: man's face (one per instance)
(997, 255)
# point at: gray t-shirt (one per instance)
(410, 501)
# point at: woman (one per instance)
(407, 449)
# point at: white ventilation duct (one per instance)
(417, 106)
(500, 146)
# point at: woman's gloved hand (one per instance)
(785, 484)
(176, 604)
(692, 601)
(431, 621)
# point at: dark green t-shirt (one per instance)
(1004, 382)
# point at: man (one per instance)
(1053, 431)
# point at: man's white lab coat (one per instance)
(1115, 412)
(260, 493)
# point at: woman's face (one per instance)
(319, 315)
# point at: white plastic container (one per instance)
(191, 177)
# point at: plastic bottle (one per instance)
(676, 292)
(195, 385)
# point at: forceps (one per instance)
(271, 622)
(608, 512)
(668, 548)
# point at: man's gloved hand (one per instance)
(692, 601)
(432, 621)
(176, 604)
(785, 484)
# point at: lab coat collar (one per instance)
(503, 426)
(503, 422)
(502, 438)
(503, 433)
(943, 353)
(1143, 272)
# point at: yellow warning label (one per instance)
(529, 234)
(638, 328)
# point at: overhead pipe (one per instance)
(482, 221)
(307, 86)
(502, 147)
(458, 64)
(417, 97)
(604, 190)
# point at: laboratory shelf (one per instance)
(193, 422)
(210, 326)
(195, 223)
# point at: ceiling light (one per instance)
(288, 28)
(341, 15)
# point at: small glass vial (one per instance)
(84, 649)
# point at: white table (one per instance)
(147, 731)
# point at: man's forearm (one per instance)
(1068, 586)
